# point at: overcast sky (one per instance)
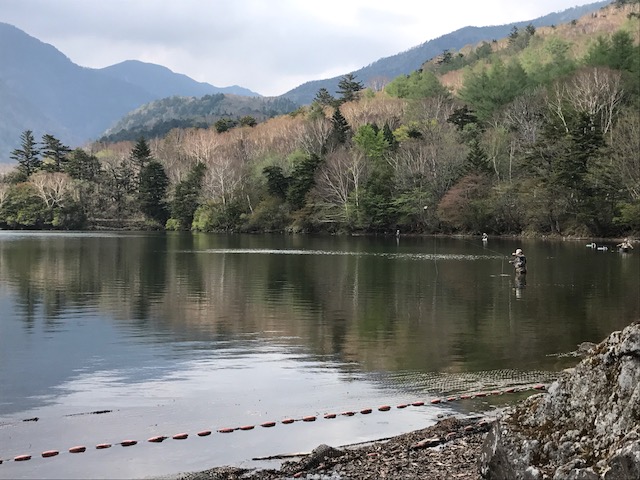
(268, 46)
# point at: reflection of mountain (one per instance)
(119, 297)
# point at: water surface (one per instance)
(178, 333)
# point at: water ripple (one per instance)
(409, 256)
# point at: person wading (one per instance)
(519, 262)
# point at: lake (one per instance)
(107, 338)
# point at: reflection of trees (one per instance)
(383, 312)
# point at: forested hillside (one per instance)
(535, 133)
(386, 69)
(157, 118)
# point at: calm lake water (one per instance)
(178, 333)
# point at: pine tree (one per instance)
(302, 180)
(186, 196)
(28, 155)
(82, 166)
(390, 137)
(477, 160)
(141, 154)
(340, 129)
(348, 88)
(277, 182)
(462, 116)
(54, 153)
(152, 192)
(324, 98)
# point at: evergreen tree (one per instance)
(82, 166)
(477, 160)
(141, 154)
(277, 182)
(623, 52)
(224, 124)
(186, 196)
(302, 180)
(348, 88)
(340, 129)
(371, 141)
(617, 52)
(445, 58)
(488, 90)
(324, 98)
(417, 85)
(54, 153)
(377, 197)
(28, 155)
(561, 160)
(248, 121)
(462, 116)
(513, 35)
(152, 192)
(390, 137)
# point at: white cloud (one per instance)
(269, 46)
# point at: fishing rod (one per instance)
(484, 247)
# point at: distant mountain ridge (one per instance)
(42, 90)
(162, 82)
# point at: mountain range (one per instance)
(42, 90)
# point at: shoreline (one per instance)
(390, 234)
(451, 448)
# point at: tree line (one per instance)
(549, 147)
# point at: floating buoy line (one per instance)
(270, 424)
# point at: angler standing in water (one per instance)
(519, 262)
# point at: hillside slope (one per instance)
(406, 62)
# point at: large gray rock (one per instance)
(586, 427)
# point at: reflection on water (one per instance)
(174, 332)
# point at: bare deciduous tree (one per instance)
(376, 110)
(316, 135)
(225, 174)
(200, 145)
(340, 178)
(280, 136)
(52, 187)
(170, 153)
(431, 161)
(377, 83)
(595, 91)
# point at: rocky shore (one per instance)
(586, 427)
